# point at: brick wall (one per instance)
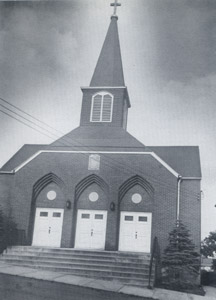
(6, 186)
(114, 171)
(190, 208)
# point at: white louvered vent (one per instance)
(107, 108)
(102, 105)
(96, 110)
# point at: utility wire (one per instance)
(105, 156)
(25, 123)
(126, 170)
(123, 166)
(28, 120)
(24, 112)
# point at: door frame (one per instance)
(105, 213)
(119, 235)
(50, 209)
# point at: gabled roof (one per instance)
(109, 70)
(99, 136)
(184, 159)
(21, 155)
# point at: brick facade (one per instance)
(69, 169)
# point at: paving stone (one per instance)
(136, 291)
(169, 295)
(104, 285)
(14, 270)
(43, 275)
(210, 291)
(71, 279)
(160, 294)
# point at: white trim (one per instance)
(102, 94)
(191, 178)
(171, 170)
(165, 164)
(7, 172)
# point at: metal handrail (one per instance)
(155, 260)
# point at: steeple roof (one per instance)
(109, 70)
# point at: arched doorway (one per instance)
(135, 219)
(91, 213)
(47, 211)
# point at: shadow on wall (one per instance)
(9, 234)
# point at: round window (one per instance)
(51, 195)
(136, 198)
(93, 196)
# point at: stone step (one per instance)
(77, 256)
(87, 266)
(126, 267)
(141, 282)
(96, 272)
(77, 251)
(78, 260)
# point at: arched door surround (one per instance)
(47, 210)
(135, 215)
(90, 213)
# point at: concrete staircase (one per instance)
(127, 268)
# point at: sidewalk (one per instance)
(160, 294)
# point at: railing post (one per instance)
(155, 256)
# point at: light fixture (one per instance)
(112, 206)
(68, 204)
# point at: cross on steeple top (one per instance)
(115, 5)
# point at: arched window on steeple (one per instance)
(101, 107)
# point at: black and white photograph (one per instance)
(107, 150)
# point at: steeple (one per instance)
(109, 70)
(106, 101)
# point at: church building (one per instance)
(98, 187)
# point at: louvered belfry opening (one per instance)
(101, 107)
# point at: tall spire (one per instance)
(109, 70)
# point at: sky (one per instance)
(49, 49)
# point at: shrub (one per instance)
(181, 263)
(208, 245)
(8, 232)
(214, 265)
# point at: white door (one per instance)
(48, 227)
(91, 229)
(135, 231)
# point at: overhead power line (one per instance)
(28, 120)
(34, 118)
(110, 162)
(24, 123)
